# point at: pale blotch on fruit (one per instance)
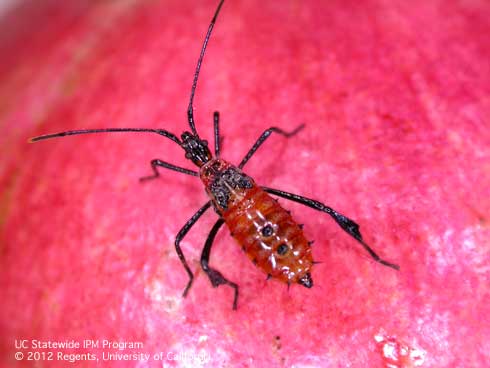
(162, 298)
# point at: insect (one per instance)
(266, 231)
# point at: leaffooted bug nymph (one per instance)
(266, 232)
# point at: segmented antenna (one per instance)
(190, 109)
(107, 130)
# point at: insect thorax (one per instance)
(225, 184)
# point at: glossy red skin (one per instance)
(395, 98)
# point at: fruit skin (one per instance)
(395, 98)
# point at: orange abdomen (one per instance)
(264, 230)
(269, 235)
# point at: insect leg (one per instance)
(262, 139)
(156, 162)
(345, 223)
(215, 276)
(216, 134)
(185, 229)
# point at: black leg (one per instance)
(215, 276)
(345, 223)
(216, 134)
(262, 139)
(157, 162)
(181, 235)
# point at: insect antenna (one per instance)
(163, 132)
(190, 109)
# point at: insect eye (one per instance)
(282, 249)
(216, 165)
(207, 172)
(267, 230)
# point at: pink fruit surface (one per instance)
(395, 98)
